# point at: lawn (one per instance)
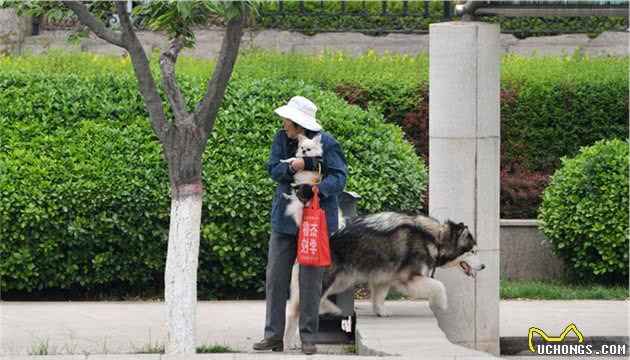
(557, 290)
(536, 290)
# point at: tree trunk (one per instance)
(184, 149)
(180, 290)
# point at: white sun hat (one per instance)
(301, 111)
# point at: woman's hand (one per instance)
(297, 164)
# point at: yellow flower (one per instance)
(370, 53)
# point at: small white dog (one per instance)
(306, 148)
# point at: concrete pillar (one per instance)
(464, 170)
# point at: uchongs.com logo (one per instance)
(561, 345)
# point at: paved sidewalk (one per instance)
(124, 327)
(411, 331)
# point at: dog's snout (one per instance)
(483, 266)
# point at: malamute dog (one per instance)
(390, 249)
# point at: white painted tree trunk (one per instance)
(180, 292)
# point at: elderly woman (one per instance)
(298, 119)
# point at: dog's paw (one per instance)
(292, 342)
(441, 305)
(382, 312)
(292, 334)
(439, 301)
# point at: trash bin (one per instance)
(339, 329)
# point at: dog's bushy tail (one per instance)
(341, 221)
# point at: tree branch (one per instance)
(86, 18)
(142, 70)
(127, 29)
(206, 111)
(168, 58)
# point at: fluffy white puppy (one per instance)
(306, 148)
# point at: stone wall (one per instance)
(13, 31)
(209, 43)
(525, 252)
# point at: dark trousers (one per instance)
(282, 253)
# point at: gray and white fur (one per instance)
(390, 250)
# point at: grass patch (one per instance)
(395, 295)
(151, 349)
(156, 348)
(349, 349)
(556, 290)
(214, 349)
(42, 348)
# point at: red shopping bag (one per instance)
(313, 247)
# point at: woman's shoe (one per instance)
(270, 344)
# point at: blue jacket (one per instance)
(335, 170)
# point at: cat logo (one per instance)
(533, 330)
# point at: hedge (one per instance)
(584, 213)
(550, 107)
(84, 187)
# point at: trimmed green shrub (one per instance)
(85, 192)
(561, 105)
(391, 83)
(584, 213)
(550, 107)
(84, 205)
(585, 100)
(554, 107)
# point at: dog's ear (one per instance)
(465, 231)
(318, 138)
(301, 137)
(463, 235)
